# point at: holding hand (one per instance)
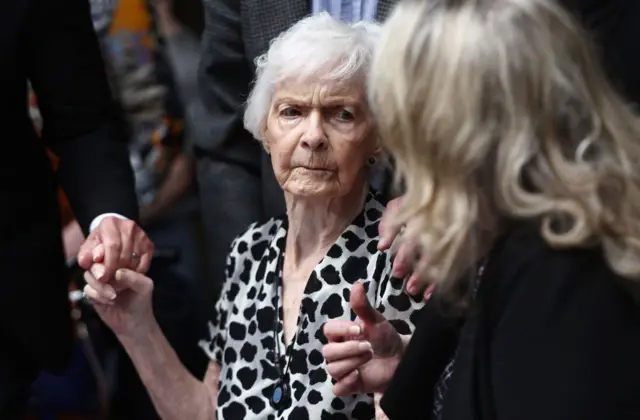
(361, 356)
(123, 245)
(408, 260)
(124, 302)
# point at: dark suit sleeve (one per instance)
(80, 120)
(225, 77)
(567, 343)
(229, 165)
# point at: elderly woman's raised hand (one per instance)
(405, 255)
(361, 356)
(123, 302)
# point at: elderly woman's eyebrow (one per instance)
(331, 101)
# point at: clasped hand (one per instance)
(116, 243)
(116, 255)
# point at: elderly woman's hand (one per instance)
(361, 356)
(123, 303)
(406, 252)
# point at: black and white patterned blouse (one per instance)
(242, 333)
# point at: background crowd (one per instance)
(181, 73)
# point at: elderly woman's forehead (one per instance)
(307, 88)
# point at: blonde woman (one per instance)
(523, 189)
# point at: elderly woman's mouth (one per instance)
(314, 169)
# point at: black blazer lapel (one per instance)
(410, 393)
(461, 400)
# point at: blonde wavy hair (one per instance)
(500, 109)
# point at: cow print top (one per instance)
(242, 336)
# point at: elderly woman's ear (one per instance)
(378, 152)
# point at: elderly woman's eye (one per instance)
(289, 112)
(344, 115)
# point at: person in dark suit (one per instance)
(532, 227)
(237, 185)
(53, 45)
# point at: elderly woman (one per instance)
(522, 168)
(288, 276)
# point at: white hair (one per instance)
(318, 47)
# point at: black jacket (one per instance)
(52, 44)
(552, 335)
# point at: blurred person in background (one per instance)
(180, 45)
(235, 178)
(153, 79)
(53, 45)
(286, 277)
(526, 200)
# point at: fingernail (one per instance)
(353, 376)
(355, 330)
(365, 346)
(119, 275)
(99, 272)
(110, 292)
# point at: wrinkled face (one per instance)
(320, 137)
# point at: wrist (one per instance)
(142, 335)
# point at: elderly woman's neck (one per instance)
(316, 223)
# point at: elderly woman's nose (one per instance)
(314, 137)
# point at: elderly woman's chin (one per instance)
(304, 182)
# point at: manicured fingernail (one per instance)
(119, 275)
(97, 271)
(355, 330)
(110, 292)
(365, 346)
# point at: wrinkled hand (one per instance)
(406, 252)
(361, 356)
(120, 239)
(124, 302)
